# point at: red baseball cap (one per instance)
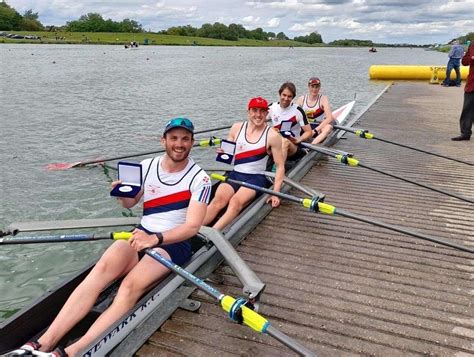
(314, 80)
(258, 102)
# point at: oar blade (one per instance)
(59, 166)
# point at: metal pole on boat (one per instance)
(64, 238)
(313, 204)
(212, 141)
(235, 307)
(347, 159)
(365, 134)
(21, 227)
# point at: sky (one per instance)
(387, 21)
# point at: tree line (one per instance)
(11, 20)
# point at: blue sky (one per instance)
(389, 21)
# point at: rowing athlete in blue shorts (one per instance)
(175, 192)
(255, 141)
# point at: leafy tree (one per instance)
(312, 38)
(187, 30)
(10, 19)
(281, 36)
(352, 42)
(258, 34)
(239, 30)
(468, 37)
(94, 22)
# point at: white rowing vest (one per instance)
(314, 112)
(251, 158)
(293, 113)
(166, 196)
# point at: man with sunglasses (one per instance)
(175, 192)
(317, 109)
(255, 141)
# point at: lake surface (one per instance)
(71, 103)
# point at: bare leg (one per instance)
(289, 149)
(223, 195)
(323, 134)
(115, 262)
(241, 199)
(137, 281)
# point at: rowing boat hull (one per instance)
(123, 337)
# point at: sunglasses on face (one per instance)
(181, 121)
(315, 85)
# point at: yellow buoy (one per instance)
(413, 72)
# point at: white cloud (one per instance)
(422, 21)
(273, 23)
(250, 20)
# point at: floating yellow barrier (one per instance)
(433, 73)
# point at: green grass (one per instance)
(110, 38)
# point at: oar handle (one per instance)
(64, 238)
(121, 235)
(212, 141)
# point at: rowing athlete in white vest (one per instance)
(285, 111)
(255, 141)
(176, 192)
(317, 109)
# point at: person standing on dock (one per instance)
(467, 114)
(317, 109)
(455, 55)
(286, 111)
(255, 141)
(176, 192)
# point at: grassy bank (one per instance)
(110, 38)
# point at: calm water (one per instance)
(72, 103)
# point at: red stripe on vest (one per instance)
(165, 200)
(246, 154)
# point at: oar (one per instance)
(365, 134)
(313, 204)
(347, 159)
(235, 307)
(64, 238)
(22, 227)
(212, 141)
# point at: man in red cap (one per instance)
(254, 143)
(317, 109)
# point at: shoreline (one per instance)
(153, 39)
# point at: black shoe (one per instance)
(461, 137)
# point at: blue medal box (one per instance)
(130, 173)
(285, 129)
(229, 150)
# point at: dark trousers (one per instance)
(467, 114)
(453, 63)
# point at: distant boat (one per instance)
(373, 49)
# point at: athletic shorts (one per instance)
(180, 252)
(300, 153)
(254, 179)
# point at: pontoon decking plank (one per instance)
(346, 288)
